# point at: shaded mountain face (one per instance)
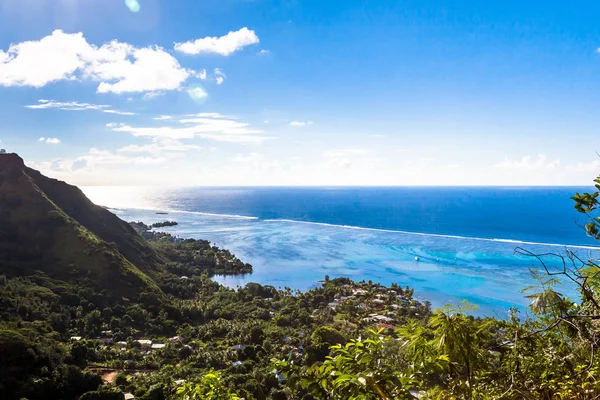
(49, 226)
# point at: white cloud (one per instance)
(151, 69)
(224, 45)
(49, 140)
(119, 67)
(94, 158)
(211, 126)
(68, 106)
(209, 115)
(300, 123)
(162, 117)
(232, 138)
(119, 112)
(152, 95)
(244, 158)
(220, 75)
(593, 166)
(527, 163)
(160, 146)
(345, 152)
(75, 106)
(201, 75)
(263, 52)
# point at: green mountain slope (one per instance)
(49, 226)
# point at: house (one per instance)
(359, 292)
(184, 278)
(129, 396)
(378, 301)
(179, 381)
(239, 347)
(237, 363)
(176, 339)
(144, 342)
(157, 346)
(76, 338)
(381, 318)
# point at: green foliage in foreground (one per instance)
(588, 204)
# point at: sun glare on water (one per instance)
(125, 197)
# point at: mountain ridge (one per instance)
(48, 226)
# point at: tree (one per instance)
(103, 395)
(121, 380)
(328, 335)
(459, 337)
(210, 387)
(588, 204)
(358, 370)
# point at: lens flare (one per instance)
(197, 93)
(133, 5)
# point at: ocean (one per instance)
(448, 243)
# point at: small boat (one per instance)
(417, 258)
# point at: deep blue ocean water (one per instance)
(464, 237)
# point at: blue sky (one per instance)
(242, 92)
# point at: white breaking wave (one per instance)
(205, 214)
(435, 234)
(252, 218)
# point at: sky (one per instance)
(265, 92)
